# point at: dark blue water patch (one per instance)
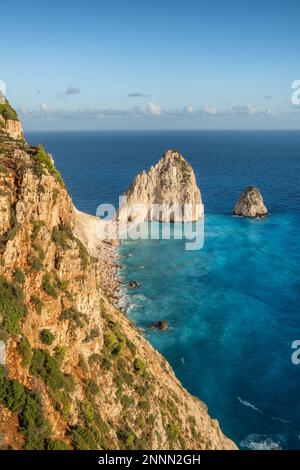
(233, 307)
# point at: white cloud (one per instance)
(244, 110)
(154, 109)
(211, 110)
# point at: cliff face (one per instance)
(171, 183)
(9, 123)
(76, 373)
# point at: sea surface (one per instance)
(234, 306)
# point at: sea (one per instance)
(233, 307)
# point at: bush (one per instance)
(173, 431)
(62, 235)
(49, 287)
(35, 263)
(82, 364)
(57, 445)
(12, 393)
(60, 352)
(12, 308)
(48, 368)
(126, 401)
(91, 387)
(34, 426)
(62, 285)
(139, 366)
(38, 303)
(24, 349)
(36, 227)
(8, 112)
(76, 318)
(19, 276)
(47, 337)
(95, 359)
(41, 162)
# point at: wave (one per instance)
(263, 442)
(249, 405)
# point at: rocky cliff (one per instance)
(9, 123)
(75, 372)
(170, 184)
(251, 204)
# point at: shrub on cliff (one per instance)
(19, 276)
(49, 287)
(42, 161)
(8, 112)
(12, 308)
(61, 235)
(12, 394)
(47, 337)
(24, 349)
(48, 368)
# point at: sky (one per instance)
(168, 64)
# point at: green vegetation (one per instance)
(36, 227)
(57, 445)
(8, 112)
(12, 394)
(47, 337)
(75, 318)
(42, 161)
(173, 432)
(19, 276)
(48, 369)
(24, 349)
(83, 254)
(95, 359)
(12, 308)
(82, 364)
(38, 303)
(49, 287)
(61, 235)
(60, 352)
(14, 225)
(35, 263)
(91, 387)
(35, 428)
(114, 339)
(139, 366)
(62, 285)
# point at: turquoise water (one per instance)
(232, 307)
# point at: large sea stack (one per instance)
(170, 184)
(251, 204)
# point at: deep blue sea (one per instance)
(234, 306)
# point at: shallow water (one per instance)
(233, 307)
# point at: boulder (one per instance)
(161, 325)
(251, 204)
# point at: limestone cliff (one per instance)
(171, 184)
(9, 123)
(77, 374)
(251, 204)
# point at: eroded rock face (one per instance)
(170, 184)
(251, 204)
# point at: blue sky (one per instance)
(151, 64)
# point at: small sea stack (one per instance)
(250, 204)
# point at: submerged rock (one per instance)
(134, 284)
(161, 325)
(170, 184)
(251, 204)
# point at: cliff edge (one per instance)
(75, 373)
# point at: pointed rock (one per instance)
(170, 184)
(251, 204)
